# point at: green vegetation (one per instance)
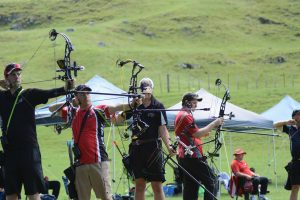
(252, 45)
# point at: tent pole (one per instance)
(231, 151)
(113, 157)
(220, 167)
(252, 133)
(275, 161)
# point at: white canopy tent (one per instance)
(282, 111)
(243, 119)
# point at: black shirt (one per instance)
(21, 132)
(154, 119)
(294, 135)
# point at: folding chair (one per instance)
(236, 189)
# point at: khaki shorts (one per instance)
(93, 176)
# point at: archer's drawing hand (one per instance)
(171, 150)
(75, 102)
(291, 122)
(4, 84)
(136, 102)
(69, 84)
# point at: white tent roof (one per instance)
(283, 110)
(97, 84)
(244, 119)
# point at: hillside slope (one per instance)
(245, 41)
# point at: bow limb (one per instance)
(137, 124)
(136, 69)
(217, 139)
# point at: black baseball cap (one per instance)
(295, 112)
(82, 87)
(189, 97)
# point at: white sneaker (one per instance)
(263, 198)
(252, 197)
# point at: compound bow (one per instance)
(137, 123)
(217, 139)
(66, 67)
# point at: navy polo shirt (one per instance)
(294, 135)
(154, 119)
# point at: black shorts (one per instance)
(295, 172)
(146, 161)
(24, 167)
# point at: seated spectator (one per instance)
(241, 170)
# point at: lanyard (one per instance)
(83, 123)
(12, 110)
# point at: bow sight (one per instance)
(65, 64)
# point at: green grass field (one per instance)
(259, 155)
(253, 46)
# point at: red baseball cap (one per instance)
(11, 67)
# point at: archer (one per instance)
(19, 138)
(92, 168)
(190, 154)
(145, 149)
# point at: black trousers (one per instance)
(263, 181)
(54, 186)
(201, 171)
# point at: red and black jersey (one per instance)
(184, 124)
(91, 141)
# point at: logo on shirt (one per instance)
(151, 115)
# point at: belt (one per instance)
(203, 158)
(140, 142)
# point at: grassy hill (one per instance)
(253, 46)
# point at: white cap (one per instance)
(146, 85)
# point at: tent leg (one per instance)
(275, 162)
(113, 158)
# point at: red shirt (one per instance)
(91, 142)
(182, 122)
(240, 166)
